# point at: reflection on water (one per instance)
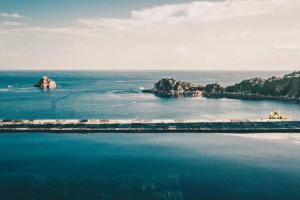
(149, 166)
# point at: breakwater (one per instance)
(150, 126)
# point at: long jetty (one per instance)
(150, 126)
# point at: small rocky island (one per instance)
(274, 88)
(172, 88)
(45, 83)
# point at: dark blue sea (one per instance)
(141, 166)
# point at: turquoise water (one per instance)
(140, 166)
(148, 166)
(116, 95)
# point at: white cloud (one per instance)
(109, 23)
(290, 46)
(195, 12)
(231, 34)
(14, 24)
(11, 15)
(200, 11)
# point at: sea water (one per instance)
(117, 95)
(149, 166)
(141, 166)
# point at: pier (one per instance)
(150, 126)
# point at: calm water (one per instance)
(148, 166)
(140, 166)
(116, 95)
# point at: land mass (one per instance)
(172, 88)
(275, 88)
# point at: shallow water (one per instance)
(116, 95)
(149, 166)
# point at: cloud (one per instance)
(11, 15)
(200, 11)
(14, 24)
(195, 12)
(177, 16)
(231, 34)
(117, 24)
(290, 47)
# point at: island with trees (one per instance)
(286, 88)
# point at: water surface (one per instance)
(149, 166)
(116, 95)
(45, 166)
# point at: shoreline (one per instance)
(284, 88)
(229, 95)
(151, 126)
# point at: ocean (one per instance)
(141, 166)
(117, 95)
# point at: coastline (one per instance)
(230, 95)
(285, 88)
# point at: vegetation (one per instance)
(281, 88)
(286, 86)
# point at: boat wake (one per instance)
(55, 102)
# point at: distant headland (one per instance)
(286, 88)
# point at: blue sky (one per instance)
(150, 34)
(64, 11)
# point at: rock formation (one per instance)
(287, 86)
(46, 82)
(275, 88)
(173, 88)
(277, 115)
(213, 88)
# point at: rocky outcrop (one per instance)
(249, 86)
(287, 86)
(172, 88)
(214, 88)
(46, 82)
(277, 115)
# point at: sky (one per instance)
(149, 35)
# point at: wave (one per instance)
(269, 136)
(11, 88)
(5, 89)
(126, 92)
(125, 104)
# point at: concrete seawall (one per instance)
(150, 126)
